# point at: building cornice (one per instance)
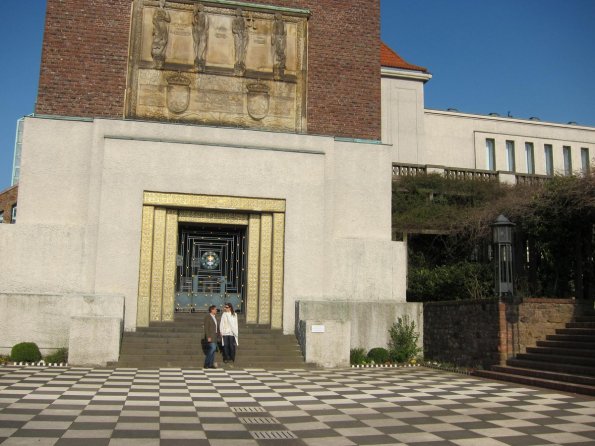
(506, 119)
(405, 74)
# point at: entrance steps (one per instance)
(563, 361)
(177, 344)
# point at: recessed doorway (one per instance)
(210, 267)
(170, 220)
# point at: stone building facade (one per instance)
(276, 126)
(178, 124)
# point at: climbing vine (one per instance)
(448, 226)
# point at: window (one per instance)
(567, 160)
(549, 159)
(14, 214)
(585, 161)
(1, 217)
(510, 156)
(530, 157)
(490, 154)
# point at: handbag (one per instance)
(205, 345)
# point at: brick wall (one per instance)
(84, 62)
(8, 198)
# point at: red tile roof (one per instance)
(388, 58)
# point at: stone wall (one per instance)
(463, 333)
(487, 332)
(532, 321)
(85, 51)
(8, 198)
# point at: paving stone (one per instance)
(255, 407)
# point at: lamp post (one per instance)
(502, 237)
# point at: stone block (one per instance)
(370, 320)
(94, 341)
(45, 318)
(327, 342)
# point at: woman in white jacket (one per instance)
(229, 332)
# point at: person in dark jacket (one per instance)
(211, 327)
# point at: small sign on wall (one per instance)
(318, 329)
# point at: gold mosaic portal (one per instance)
(218, 62)
(265, 221)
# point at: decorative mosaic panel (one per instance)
(253, 269)
(277, 270)
(157, 264)
(264, 291)
(146, 260)
(169, 268)
(206, 202)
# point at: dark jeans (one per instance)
(210, 355)
(229, 348)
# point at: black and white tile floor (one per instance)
(417, 406)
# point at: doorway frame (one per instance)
(161, 215)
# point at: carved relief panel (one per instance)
(218, 62)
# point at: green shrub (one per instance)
(357, 356)
(25, 352)
(4, 359)
(379, 355)
(403, 340)
(58, 357)
(456, 281)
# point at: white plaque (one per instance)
(318, 329)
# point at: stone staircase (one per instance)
(564, 361)
(177, 344)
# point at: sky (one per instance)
(526, 58)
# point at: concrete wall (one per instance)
(325, 342)
(83, 346)
(370, 320)
(81, 195)
(42, 258)
(46, 318)
(403, 119)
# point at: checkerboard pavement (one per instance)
(413, 406)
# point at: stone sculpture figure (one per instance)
(200, 34)
(279, 43)
(240, 41)
(161, 21)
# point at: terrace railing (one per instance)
(459, 173)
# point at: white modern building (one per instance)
(461, 143)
